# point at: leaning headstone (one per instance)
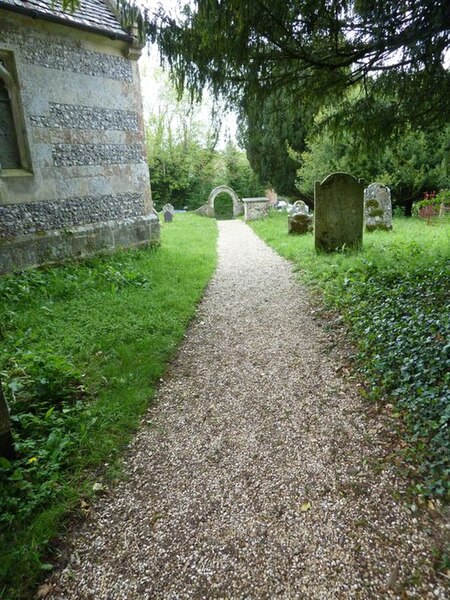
(378, 207)
(300, 223)
(338, 212)
(168, 212)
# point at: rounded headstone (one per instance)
(377, 207)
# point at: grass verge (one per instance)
(394, 295)
(81, 349)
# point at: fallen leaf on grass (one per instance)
(305, 506)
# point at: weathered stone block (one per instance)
(255, 208)
(53, 246)
(338, 212)
(300, 223)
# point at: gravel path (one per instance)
(262, 473)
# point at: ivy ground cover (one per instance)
(395, 297)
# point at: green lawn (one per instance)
(395, 297)
(82, 347)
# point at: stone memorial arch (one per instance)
(208, 208)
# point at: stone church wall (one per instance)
(85, 186)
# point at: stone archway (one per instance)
(208, 208)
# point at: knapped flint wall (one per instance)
(35, 217)
(84, 125)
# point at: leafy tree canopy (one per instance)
(268, 128)
(418, 162)
(185, 164)
(393, 50)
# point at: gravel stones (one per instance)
(259, 472)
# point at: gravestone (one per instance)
(300, 223)
(168, 212)
(338, 212)
(300, 207)
(377, 207)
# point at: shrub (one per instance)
(432, 200)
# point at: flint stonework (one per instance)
(75, 155)
(207, 209)
(23, 219)
(377, 207)
(65, 55)
(255, 208)
(68, 116)
(87, 185)
(338, 212)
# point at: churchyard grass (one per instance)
(395, 297)
(82, 347)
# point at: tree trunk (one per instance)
(6, 440)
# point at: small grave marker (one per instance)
(299, 207)
(168, 212)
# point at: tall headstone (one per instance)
(377, 207)
(338, 212)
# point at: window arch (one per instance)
(9, 148)
(13, 148)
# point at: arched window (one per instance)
(9, 148)
(13, 147)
